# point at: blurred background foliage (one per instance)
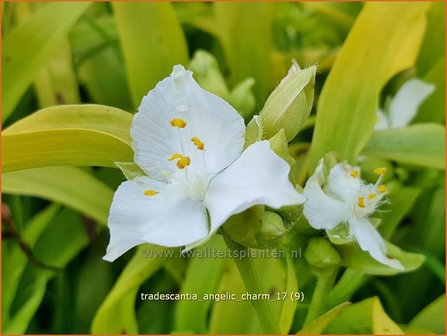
(53, 218)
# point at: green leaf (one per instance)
(67, 225)
(101, 118)
(420, 144)
(79, 135)
(360, 260)
(245, 33)
(432, 50)
(365, 317)
(99, 61)
(202, 277)
(318, 325)
(431, 317)
(117, 314)
(433, 109)
(152, 41)
(233, 317)
(56, 82)
(14, 265)
(66, 185)
(401, 200)
(383, 41)
(28, 47)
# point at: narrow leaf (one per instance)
(420, 144)
(66, 185)
(117, 313)
(27, 48)
(152, 41)
(383, 41)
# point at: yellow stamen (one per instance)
(361, 202)
(177, 122)
(355, 173)
(150, 192)
(183, 161)
(380, 171)
(381, 188)
(199, 144)
(372, 196)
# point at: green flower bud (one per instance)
(272, 231)
(256, 228)
(340, 234)
(289, 105)
(206, 72)
(281, 148)
(253, 132)
(242, 98)
(321, 255)
(243, 227)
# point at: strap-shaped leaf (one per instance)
(152, 41)
(66, 185)
(117, 312)
(28, 47)
(384, 40)
(420, 144)
(78, 135)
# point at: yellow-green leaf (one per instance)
(117, 313)
(431, 317)
(365, 317)
(245, 34)
(420, 144)
(383, 41)
(318, 325)
(70, 186)
(27, 48)
(78, 135)
(152, 41)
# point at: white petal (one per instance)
(382, 121)
(343, 184)
(407, 100)
(370, 240)
(207, 117)
(164, 219)
(321, 210)
(258, 176)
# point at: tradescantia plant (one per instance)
(311, 192)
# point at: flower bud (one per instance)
(243, 99)
(272, 231)
(280, 147)
(253, 132)
(243, 227)
(206, 72)
(256, 228)
(321, 255)
(289, 105)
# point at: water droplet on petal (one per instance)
(181, 104)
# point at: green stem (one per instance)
(320, 295)
(252, 283)
(349, 283)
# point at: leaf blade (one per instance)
(383, 41)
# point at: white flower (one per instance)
(343, 202)
(405, 104)
(189, 143)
